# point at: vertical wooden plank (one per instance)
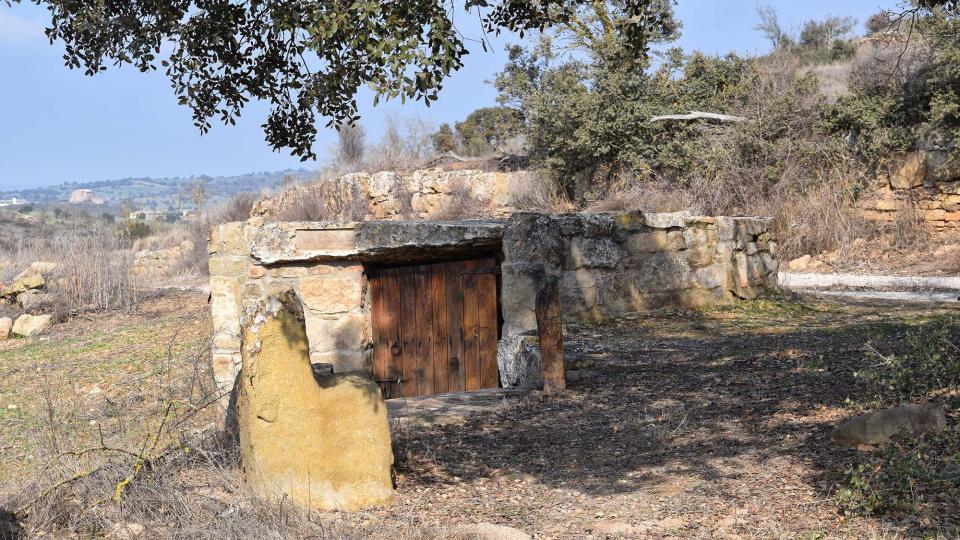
(394, 341)
(408, 330)
(487, 325)
(380, 323)
(550, 330)
(441, 357)
(456, 367)
(424, 310)
(470, 325)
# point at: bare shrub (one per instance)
(351, 144)
(536, 191)
(324, 200)
(462, 203)
(94, 272)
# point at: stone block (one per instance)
(702, 255)
(31, 325)
(338, 289)
(520, 283)
(939, 169)
(598, 225)
(232, 239)
(224, 304)
(700, 236)
(339, 341)
(632, 222)
(602, 252)
(6, 325)
(710, 277)
(668, 270)
(322, 443)
(569, 224)
(579, 291)
(222, 266)
(518, 357)
(907, 171)
(533, 237)
(651, 242)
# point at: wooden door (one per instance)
(435, 327)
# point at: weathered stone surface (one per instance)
(667, 220)
(396, 241)
(32, 325)
(879, 426)
(658, 271)
(908, 171)
(586, 252)
(43, 268)
(338, 289)
(518, 357)
(228, 267)
(322, 443)
(339, 341)
(598, 225)
(533, 237)
(24, 283)
(6, 325)
(34, 299)
(520, 281)
(650, 242)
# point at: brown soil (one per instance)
(688, 424)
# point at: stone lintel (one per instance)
(372, 241)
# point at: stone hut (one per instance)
(427, 307)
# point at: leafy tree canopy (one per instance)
(303, 57)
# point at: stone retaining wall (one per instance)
(615, 264)
(608, 264)
(158, 262)
(422, 194)
(920, 185)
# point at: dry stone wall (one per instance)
(158, 262)
(614, 264)
(917, 184)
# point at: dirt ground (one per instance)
(676, 424)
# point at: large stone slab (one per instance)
(323, 443)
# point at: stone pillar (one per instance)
(337, 319)
(532, 249)
(323, 443)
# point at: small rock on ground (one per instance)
(491, 531)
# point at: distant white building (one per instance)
(12, 202)
(84, 196)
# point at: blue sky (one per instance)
(58, 125)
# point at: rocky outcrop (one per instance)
(323, 443)
(878, 427)
(920, 185)
(32, 325)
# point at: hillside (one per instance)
(160, 193)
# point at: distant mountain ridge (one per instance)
(160, 193)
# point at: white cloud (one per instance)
(17, 29)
